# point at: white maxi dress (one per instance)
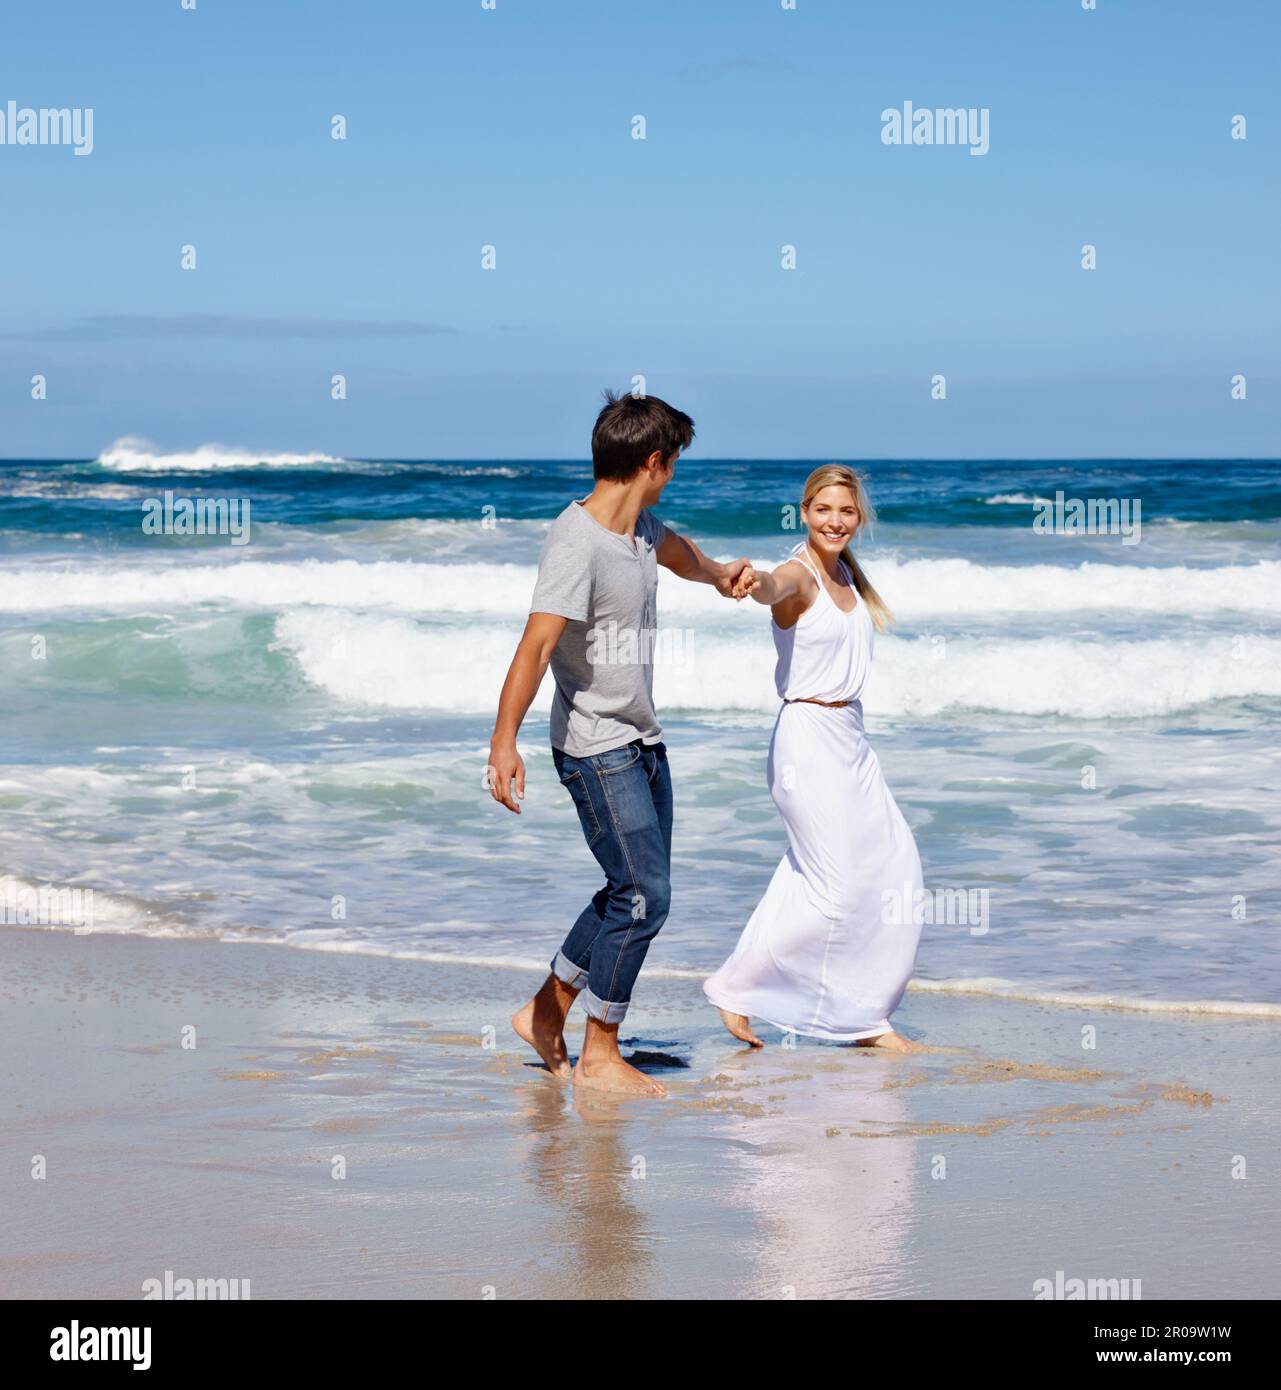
(830, 948)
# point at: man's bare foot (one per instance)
(893, 1042)
(740, 1026)
(541, 1023)
(613, 1074)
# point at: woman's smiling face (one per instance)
(832, 518)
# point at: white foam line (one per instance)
(914, 589)
(984, 988)
(1005, 989)
(989, 988)
(386, 662)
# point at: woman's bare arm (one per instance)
(771, 587)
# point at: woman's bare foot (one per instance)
(740, 1026)
(893, 1042)
(541, 1023)
(613, 1074)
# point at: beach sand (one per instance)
(807, 1171)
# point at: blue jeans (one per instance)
(624, 801)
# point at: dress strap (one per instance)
(799, 554)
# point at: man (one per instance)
(593, 617)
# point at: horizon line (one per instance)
(728, 458)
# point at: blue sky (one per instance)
(660, 257)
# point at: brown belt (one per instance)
(827, 704)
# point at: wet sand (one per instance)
(345, 1127)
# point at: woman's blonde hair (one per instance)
(838, 475)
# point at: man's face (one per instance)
(660, 475)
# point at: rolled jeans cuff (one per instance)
(567, 972)
(602, 1009)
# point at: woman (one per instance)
(830, 947)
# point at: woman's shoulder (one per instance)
(790, 610)
(796, 568)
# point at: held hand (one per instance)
(505, 765)
(731, 579)
(746, 584)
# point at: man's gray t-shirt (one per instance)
(604, 662)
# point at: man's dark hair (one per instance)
(631, 428)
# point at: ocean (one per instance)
(286, 740)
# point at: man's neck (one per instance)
(616, 506)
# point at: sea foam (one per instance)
(391, 662)
(913, 588)
(132, 454)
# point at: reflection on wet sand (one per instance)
(577, 1162)
(832, 1213)
(806, 1211)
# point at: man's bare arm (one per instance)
(685, 559)
(524, 676)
